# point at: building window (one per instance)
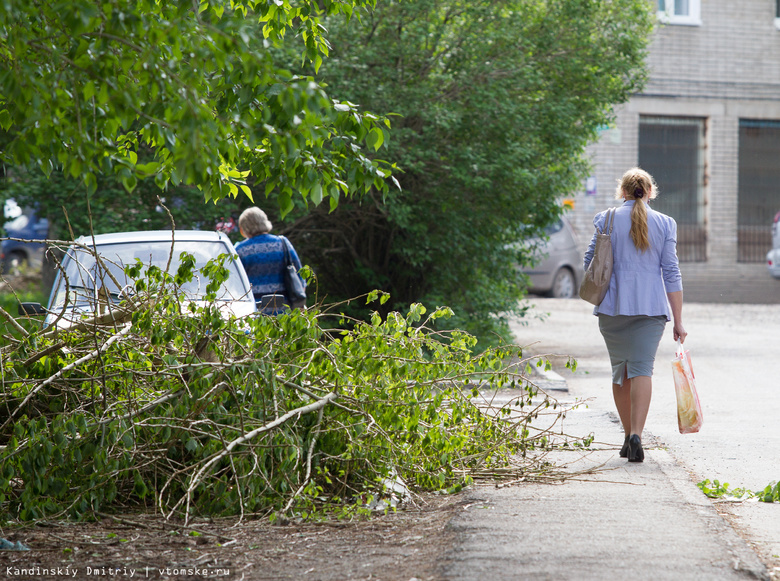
(687, 12)
(759, 187)
(673, 150)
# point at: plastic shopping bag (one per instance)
(689, 418)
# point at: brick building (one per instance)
(707, 126)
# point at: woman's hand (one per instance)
(679, 332)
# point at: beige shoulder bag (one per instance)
(596, 280)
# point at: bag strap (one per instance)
(286, 250)
(609, 222)
(686, 366)
(680, 351)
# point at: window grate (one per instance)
(759, 187)
(672, 149)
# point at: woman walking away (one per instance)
(263, 257)
(644, 293)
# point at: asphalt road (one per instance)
(736, 360)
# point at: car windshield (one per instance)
(554, 228)
(84, 275)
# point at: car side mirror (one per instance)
(31, 309)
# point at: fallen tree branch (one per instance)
(144, 409)
(13, 322)
(68, 367)
(308, 462)
(196, 479)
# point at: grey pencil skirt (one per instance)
(632, 342)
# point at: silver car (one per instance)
(773, 256)
(558, 271)
(86, 284)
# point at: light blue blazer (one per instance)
(640, 280)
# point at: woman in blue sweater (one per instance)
(645, 292)
(262, 255)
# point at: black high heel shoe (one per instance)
(635, 451)
(624, 449)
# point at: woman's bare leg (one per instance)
(641, 393)
(622, 396)
(632, 400)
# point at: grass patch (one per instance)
(13, 292)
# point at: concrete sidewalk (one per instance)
(627, 521)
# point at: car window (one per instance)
(84, 276)
(553, 228)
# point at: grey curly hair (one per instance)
(254, 222)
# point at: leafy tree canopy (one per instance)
(497, 102)
(183, 93)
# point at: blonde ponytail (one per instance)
(638, 185)
(639, 226)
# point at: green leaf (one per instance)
(103, 94)
(285, 202)
(130, 182)
(149, 168)
(375, 138)
(247, 192)
(316, 194)
(90, 182)
(89, 90)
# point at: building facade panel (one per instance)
(726, 72)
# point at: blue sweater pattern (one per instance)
(263, 260)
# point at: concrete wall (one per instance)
(726, 69)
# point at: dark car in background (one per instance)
(558, 270)
(24, 224)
